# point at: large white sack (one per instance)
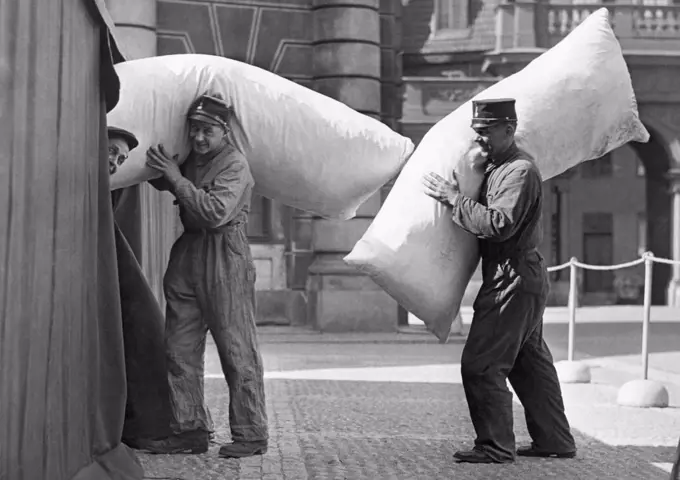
(305, 149)
(574, 103)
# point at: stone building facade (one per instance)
(603, 212)
(409, 63)
(348, 50)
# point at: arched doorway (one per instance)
(657, 160)
(608, 211)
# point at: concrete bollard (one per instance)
(643, 394)
(573, 372)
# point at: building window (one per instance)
(451, 15)
(259, 219)
(598, 247)
(601, 167)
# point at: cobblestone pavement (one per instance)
(392, 410)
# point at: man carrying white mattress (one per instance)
(506, 336)
(210, 286)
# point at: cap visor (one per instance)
(128, 137)
(132, 143)
(484, 123)
(202, 117)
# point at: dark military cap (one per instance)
(486, 113)
(210, 109)
(130, 139)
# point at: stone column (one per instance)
(346, 67)
(135, 25)
(391, 98)
(673, 295)
(147, 217)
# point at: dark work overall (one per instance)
(506, 336)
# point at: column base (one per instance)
(673, 293)
(341, 300)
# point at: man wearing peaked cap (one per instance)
(121, 143)
(147, 407)
(211, 110)
(506, 336)
(491, 112)
(209, 285)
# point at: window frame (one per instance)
(267, 234)
(449, 33)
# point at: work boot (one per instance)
(193, 442)
(242, 449)
(532, 451)
(476, 455)
(138, 443)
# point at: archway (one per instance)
(657, 161)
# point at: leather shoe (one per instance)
(241, 449)
(191, 442)
(532, 451)
(475, 455)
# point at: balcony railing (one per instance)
(527, 24)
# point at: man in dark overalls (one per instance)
(506, 335)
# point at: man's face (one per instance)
(118, 153)
(205, 137)
(493, 138)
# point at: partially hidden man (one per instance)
(506, 336)
(147, 407)
(209, 285)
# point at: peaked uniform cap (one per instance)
(490, 112)
(130, 139)
(209, 109)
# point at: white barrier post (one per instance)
(573, 299)
(646, 312)
(644, 393)
(571, 371)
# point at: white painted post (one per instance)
(647, 307)
(570, 371)
(644, 393)
(573, 296)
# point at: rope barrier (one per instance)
(666, 261)
(648, 260)
(559, 267)
(610, 267)
(619, 266)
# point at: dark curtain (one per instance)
(148, 411)
(62, 369)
